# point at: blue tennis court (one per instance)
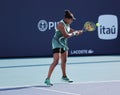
(92, 75)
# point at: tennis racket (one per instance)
(89, 26)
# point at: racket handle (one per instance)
(83, 30)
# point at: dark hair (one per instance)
(69, 15)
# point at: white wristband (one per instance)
(75, 33)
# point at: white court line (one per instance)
(4, 87)
(69, 93)
(62, 92)
(95, 82)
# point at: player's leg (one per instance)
(56, 57)
(64, 56)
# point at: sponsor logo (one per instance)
(84, 51)
(44, 25)
(108, 29)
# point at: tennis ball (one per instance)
(97, 24)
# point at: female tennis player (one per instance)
(59, 45)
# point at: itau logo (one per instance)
(108, 29)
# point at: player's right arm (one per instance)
(62, 29)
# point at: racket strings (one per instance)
(89, 26)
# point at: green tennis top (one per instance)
(58, 40)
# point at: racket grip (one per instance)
(83, 30)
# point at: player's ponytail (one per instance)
(67, 12)
(69, 15)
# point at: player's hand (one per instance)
(80, 32)
(77, 32)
